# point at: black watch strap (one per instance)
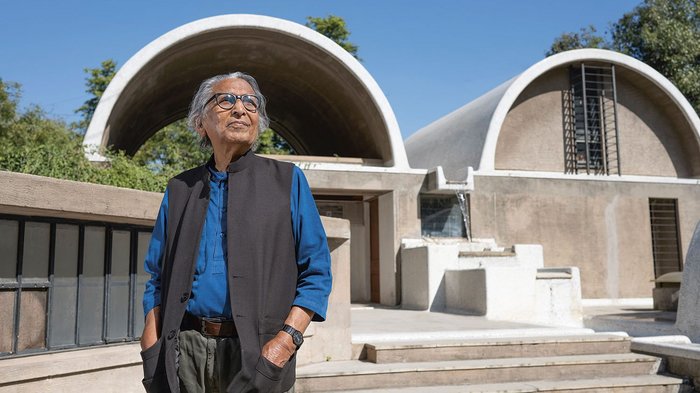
(297, 336)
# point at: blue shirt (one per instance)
(210, 285)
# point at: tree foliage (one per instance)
(664, 34)
(173, 149)
(32, 143)
(96, 84)
(334, 28)
(269, 142)
(585, 38)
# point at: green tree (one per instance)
(96, 84)
(9, 96)
(585, 38)
(269, 142)
(334, 28)
(31, 142)
(173, 149)
(664, 34)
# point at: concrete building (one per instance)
(590, 153)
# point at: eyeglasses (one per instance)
(226, 101)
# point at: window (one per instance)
(665, 241)
(590, 121)
(441, 216)
(66, 284)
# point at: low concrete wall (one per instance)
(499, 293)
(30, 195)
(681, 356)
(423, 268)
(331, 340)
(117, 368)
(499, 285)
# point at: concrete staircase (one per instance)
(581, 363)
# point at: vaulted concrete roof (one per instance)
(320, 98)
(468, 136)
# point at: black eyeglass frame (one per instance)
(237, 97)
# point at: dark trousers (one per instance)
(208, 364)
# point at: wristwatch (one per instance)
(297, 336)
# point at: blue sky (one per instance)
(456, 49)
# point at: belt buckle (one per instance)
(203, 323)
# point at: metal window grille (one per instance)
(665, 241)
(590, 121)
(58, 287)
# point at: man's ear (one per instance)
(200, 129)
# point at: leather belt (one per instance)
(209, 326)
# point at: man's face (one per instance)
(235, 127)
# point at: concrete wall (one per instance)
(399, 213)
(532, 135)
(602, 227)
(655, 139)
(358, 215)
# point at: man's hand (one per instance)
(279, 350)
(151, 330)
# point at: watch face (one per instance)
(298, 338)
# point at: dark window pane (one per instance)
(7, 319)
(441, 217)
(92, 286)
(141, 278)
(32, 320)
(65, 286)
(35, 260)
(8, 250)
(118, 311)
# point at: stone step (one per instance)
(496, 348)
(632, 384)
(354, 374)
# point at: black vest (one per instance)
(262, 270)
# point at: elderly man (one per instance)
(238, 258)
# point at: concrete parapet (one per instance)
(558, 297)
(331, 340)
(423, 269)
(682, 357)
(688, 317)
(494, 282)
(501, 293)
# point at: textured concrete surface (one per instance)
(470, 135)
(375, 324)
(688, 320)
(600, 226)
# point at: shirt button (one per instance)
(184, 297)
(171, 334)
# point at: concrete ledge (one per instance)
(22, 370)
(468, 334)
(682, 356)
(29, 195)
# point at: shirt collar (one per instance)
(215, 175)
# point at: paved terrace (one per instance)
(379, 323)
